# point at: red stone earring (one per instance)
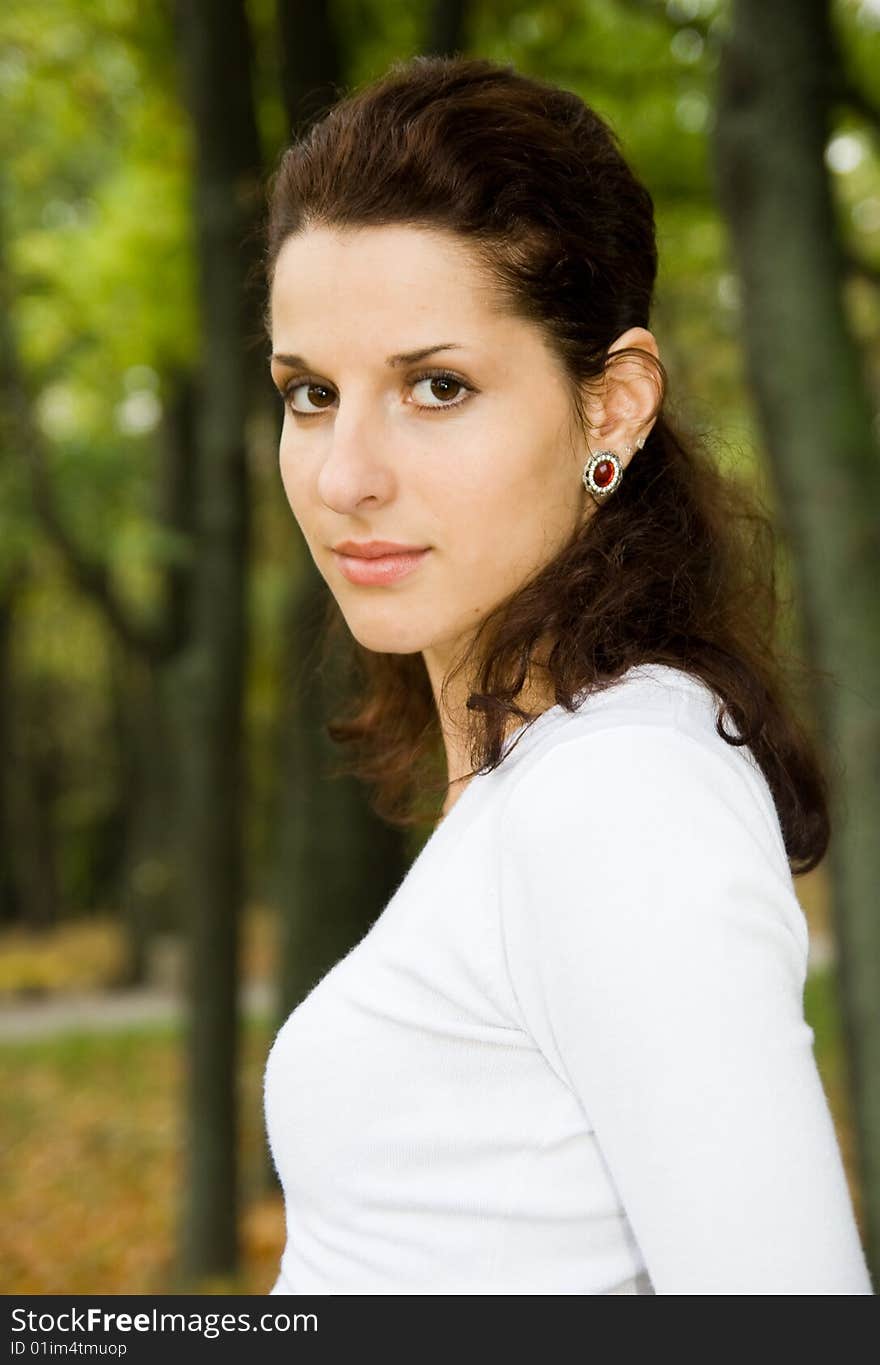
(603, 473)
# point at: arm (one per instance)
(658, 953)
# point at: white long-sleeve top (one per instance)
(570, 1056)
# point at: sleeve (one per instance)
(658, 954)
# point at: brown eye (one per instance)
(445, 387)
(318, 394)
(440, 388)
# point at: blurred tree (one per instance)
(28, 883)
(446, 27)
(780, 74)
(207, 685)
(9, 908)
(61, 336)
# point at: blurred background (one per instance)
(176, 870)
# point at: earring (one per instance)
(602, 474)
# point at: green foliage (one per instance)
(97, 162)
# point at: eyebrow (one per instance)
(296, 362)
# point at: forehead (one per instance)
(397, 272)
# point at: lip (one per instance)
(379, 570)
(375, 549)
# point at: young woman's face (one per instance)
(468, 452)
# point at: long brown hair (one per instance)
(679, 567)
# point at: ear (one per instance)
(623, 410)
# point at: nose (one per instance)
(358, 460)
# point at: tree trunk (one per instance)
(777, 71)
(147, 893)
(447, 21)
(207, 682)
(32, 794)
(10, 907)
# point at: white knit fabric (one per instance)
(570, 1056)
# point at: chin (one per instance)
(387, 637)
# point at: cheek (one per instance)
(496, 537)
(291, 471)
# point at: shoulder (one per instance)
(651, 733)
(640, 796)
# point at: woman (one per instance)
(570, 1055)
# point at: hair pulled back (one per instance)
(679, 566)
